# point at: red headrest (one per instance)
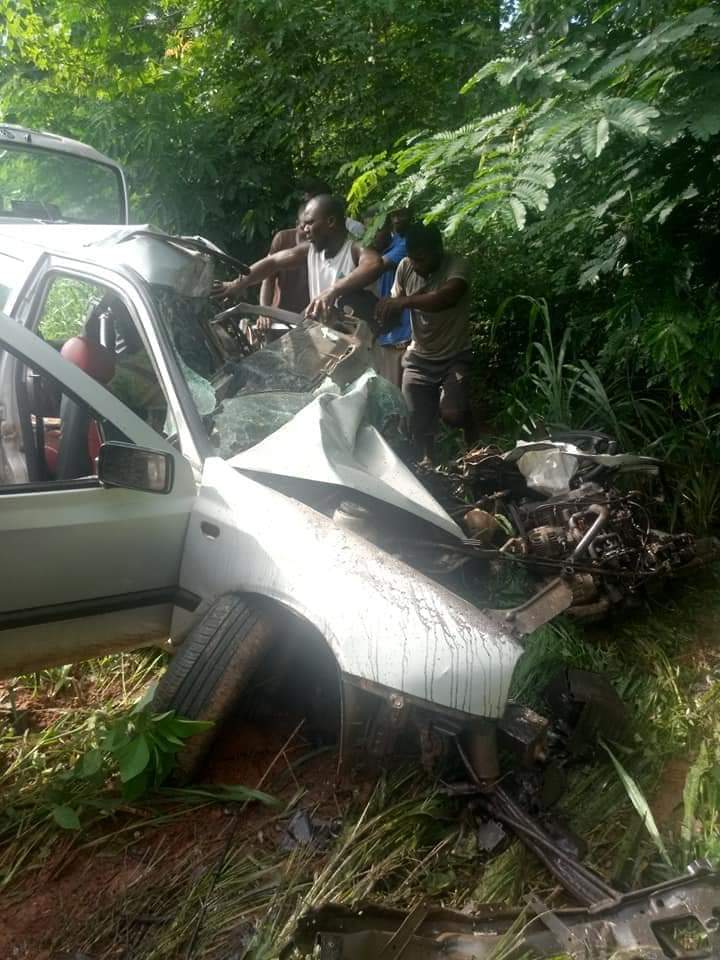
(97, 361)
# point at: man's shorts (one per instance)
(445, 381)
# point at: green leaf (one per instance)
(115, 737)
(133, 758)
(136, 786)
(224, 792)
(146, 699)
(706, 123)
(641, 805)
(603, 207)
(632, 117)
(91, 763)
(168, 741)
(519, 212)
(602, 135)
(188, 728)
(66, 817)
(595, 137)
(493, 68)
(691, 792)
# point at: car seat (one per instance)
(80, 437)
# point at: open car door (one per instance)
(87, 569)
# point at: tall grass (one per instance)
(559, 392)
(571, 395)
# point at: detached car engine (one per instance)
(605, 544)
(563, 509)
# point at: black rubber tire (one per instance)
(207, 676)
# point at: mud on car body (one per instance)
(156, 482)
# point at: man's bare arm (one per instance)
(369, 267)
(266, 297)
(265, 268)
(267, 291)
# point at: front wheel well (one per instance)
(299, 673)
(250, 657)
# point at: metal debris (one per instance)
(573, 522)
(678, 918)
(305, 829)
(491, 835)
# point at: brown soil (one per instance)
(667, 802)
(45, 915)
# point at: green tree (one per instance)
(595, 184)
(215, 108)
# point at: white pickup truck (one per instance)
(45, 177)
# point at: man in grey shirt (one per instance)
(433, 284)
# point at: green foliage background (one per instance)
(215, 108)
(571, 150)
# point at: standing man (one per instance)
(288, 289)
(391, 345)
(312, 187)
(336, 263)
(433, 284)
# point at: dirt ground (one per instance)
(45, 913)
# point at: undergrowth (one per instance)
(406, 839)
(559, 389)
(78, 747)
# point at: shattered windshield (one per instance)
(243, 399)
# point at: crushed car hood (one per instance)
(331, 441)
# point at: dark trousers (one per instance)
(433, 387)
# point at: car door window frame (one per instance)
(36, 316)
(19, 364)
(20, 346)
(190, 436)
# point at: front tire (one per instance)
(208, 675)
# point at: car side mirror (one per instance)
(135, 468)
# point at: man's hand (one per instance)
(318, 308)
(263, 324)
(227, 291)
(387, 310)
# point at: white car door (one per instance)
(85, 569)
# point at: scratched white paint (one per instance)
(383, 620)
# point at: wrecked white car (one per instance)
(158, 483)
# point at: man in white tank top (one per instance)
(337, 264)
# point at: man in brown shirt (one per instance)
(433, 284)
(286, 289)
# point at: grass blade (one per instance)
(691, 794)
(641, 805)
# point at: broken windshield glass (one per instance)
(244, 400)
